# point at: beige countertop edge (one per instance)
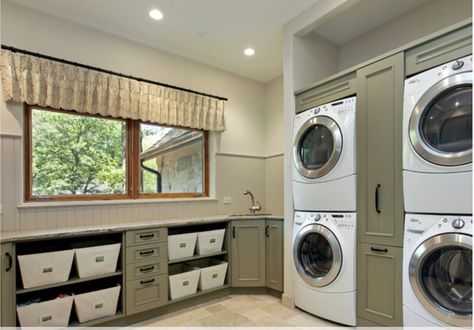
(29, 235)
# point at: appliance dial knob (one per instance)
(317, 217)
(458, 223)
(457, 65)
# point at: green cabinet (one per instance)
(379, 152)
(248, 253)
(274, 254)
(379, 274)
(7, 285)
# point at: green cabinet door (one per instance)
(7, 285)
(248, 253)
(379, 284)
(274, 254)
(379, 152)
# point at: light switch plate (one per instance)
(227, 200)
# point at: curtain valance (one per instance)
(49, 83)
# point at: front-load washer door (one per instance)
(317, 147)
(440, 126)
(317, 255)
(440, 273)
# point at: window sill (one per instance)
(27, 205)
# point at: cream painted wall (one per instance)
(428, 18)
(240, 161)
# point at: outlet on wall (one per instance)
(227, 200)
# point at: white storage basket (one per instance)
(181, 246)
(183, 280)
(45, 268)
(51, 313)
(210, 241)
(97, 260)
(213, 276)
(96, 304)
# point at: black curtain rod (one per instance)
(61, 60)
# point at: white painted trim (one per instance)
(225, 154)
(114, 202)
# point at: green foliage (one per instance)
(75, 154)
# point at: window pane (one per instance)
(172, 160)
(77, 155)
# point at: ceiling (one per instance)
(363, 17)
(214, 32)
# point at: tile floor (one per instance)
(238, 311)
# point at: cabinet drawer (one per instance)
(146, 252)
(146, 293)
(139, 237)
(331, 91)
(147, 268)
(446, 48)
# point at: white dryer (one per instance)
(324, 256)
(437, 146)
(324, 164)
(437, 271)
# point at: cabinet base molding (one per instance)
(287, 300)
(366, 323)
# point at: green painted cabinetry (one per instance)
(379, 282)
(248, 253)
(379, 152)
(7, 285)
(274, 254)
(380, 191)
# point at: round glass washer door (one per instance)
(317, 255)
(440, 273)
(317, 147)
(440, 126)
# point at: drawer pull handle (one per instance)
(10, 261)
(147, 236)
(376, 249)
(147, 281)
(146, 253)
(147, 269)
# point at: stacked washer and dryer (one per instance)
(437, 179)
(324, 191)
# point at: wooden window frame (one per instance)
(132, 163)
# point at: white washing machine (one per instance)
(437, 271)
(437, 146)
(324, 164)
(324, 256)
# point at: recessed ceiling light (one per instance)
(249, 51)
(156, 14)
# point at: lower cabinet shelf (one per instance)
(199, 293)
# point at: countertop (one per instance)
(28, 235)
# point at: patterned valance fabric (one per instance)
(47, 83)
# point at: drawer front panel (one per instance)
(147, 268)
(146, 252)
(146, 293)
(140, 237)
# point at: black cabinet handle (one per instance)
(147, 281)
(376, 249)
(147, 269)
(146, 253)
(147, 236)
(267, 227)
(377, 189)
(10, 261)
(233, 232)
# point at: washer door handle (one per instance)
(377, 206)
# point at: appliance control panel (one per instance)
(342, 107)
(417, 223)
(341, 220)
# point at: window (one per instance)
(71, 156)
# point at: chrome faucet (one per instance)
(254, 207)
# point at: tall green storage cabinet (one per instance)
(379, 191)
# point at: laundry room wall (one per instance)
(240, 152)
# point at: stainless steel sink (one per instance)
(249, 215)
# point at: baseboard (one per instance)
(287, 301)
